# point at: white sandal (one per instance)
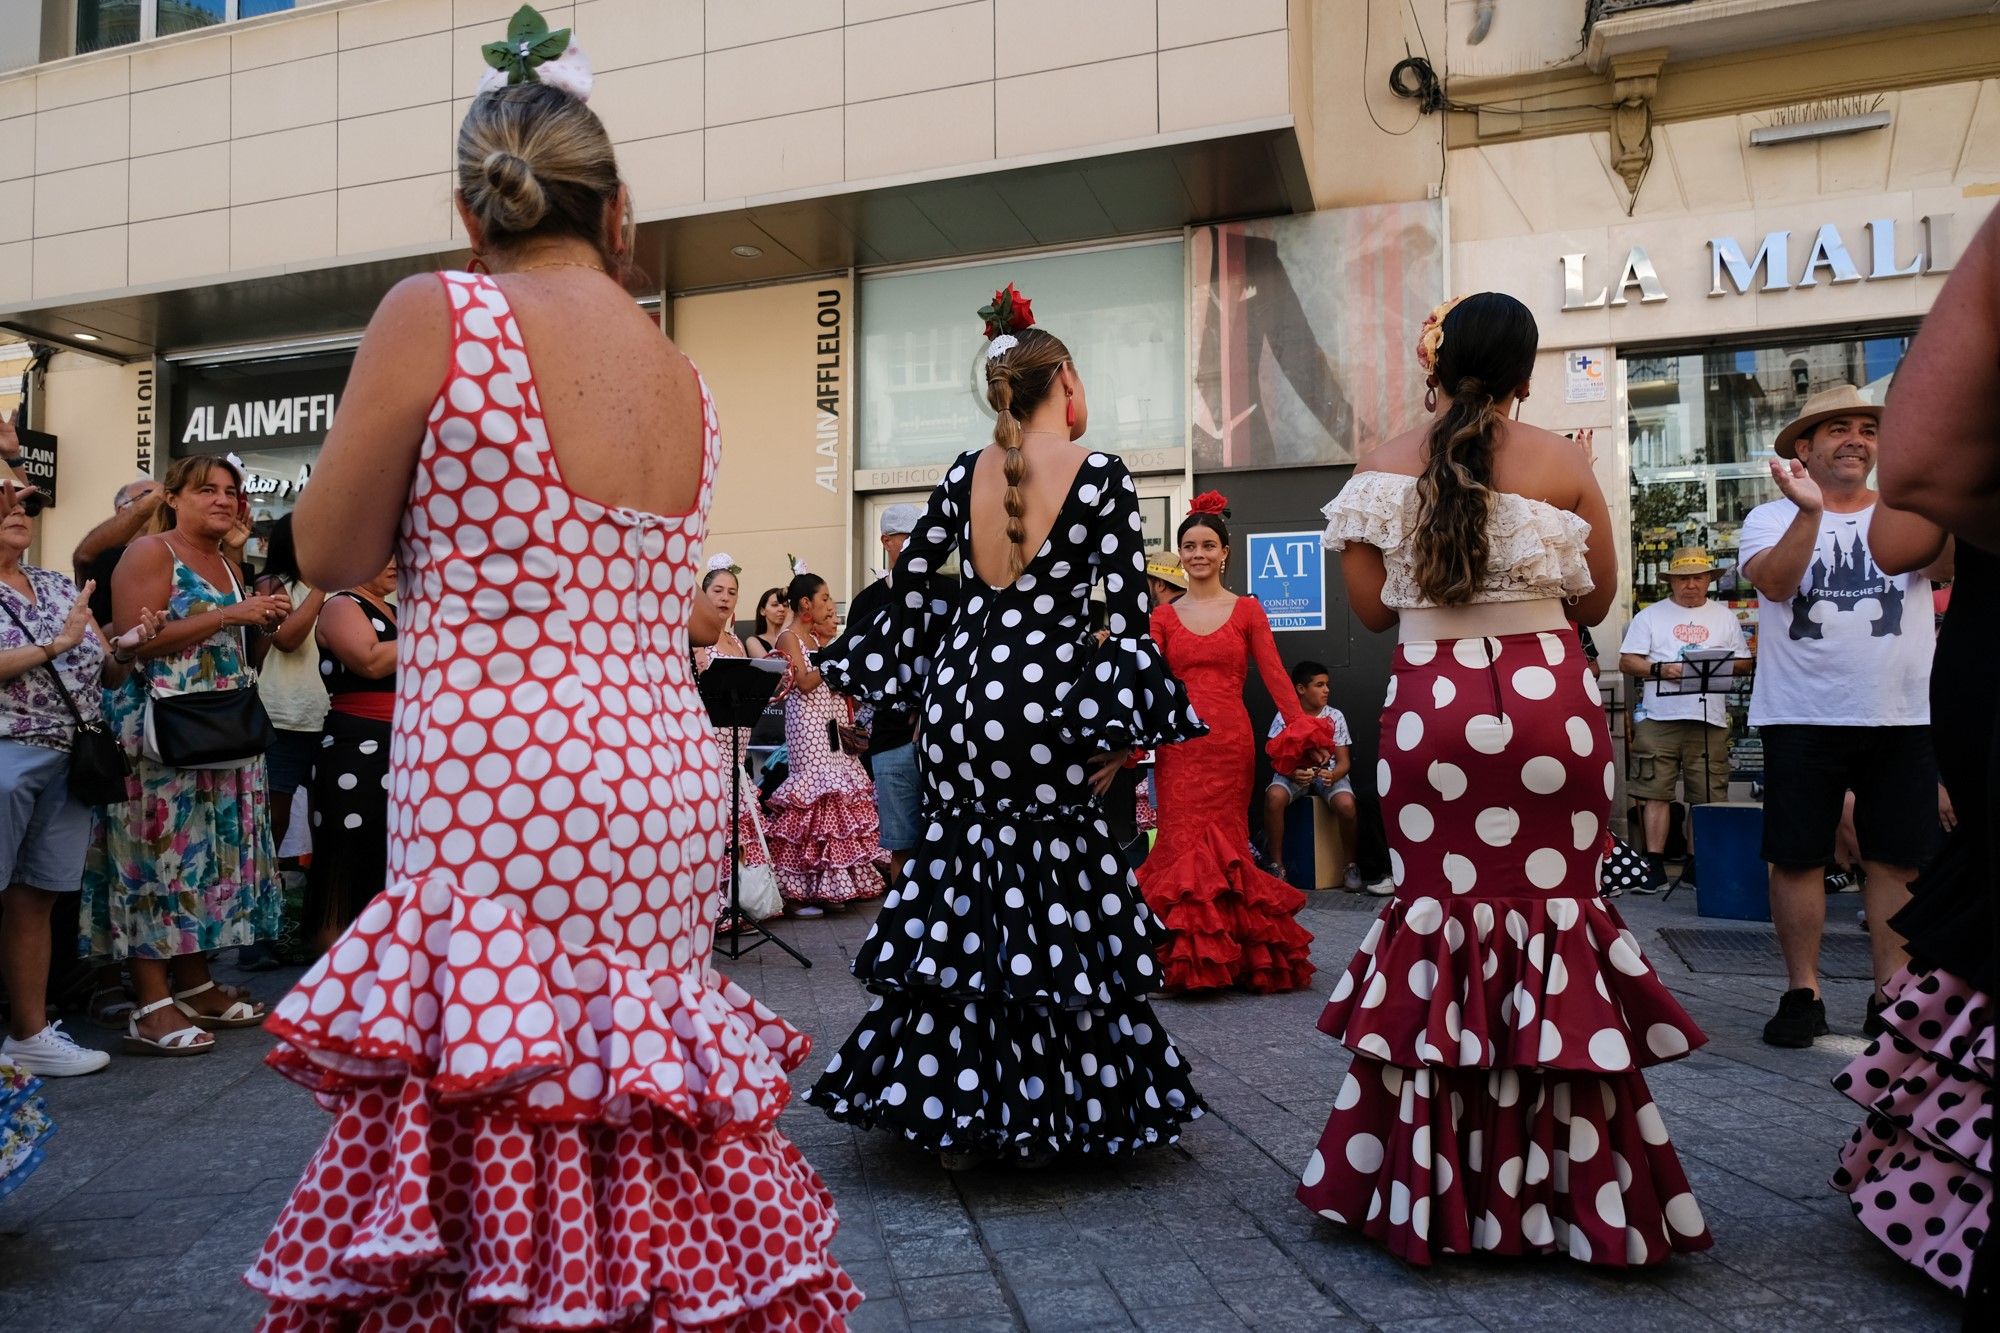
(181, 1041)
(241, 1014)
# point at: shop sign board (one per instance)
(38, 461)
(1584, 379)
(1288, 575)
(1769, 268)
(261, 407)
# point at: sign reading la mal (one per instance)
(1728, 268)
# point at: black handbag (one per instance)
(97, 763)
(206, 728)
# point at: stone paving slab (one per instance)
(165, 1174)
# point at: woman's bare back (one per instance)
(1052, 468)
(621, 400)
(1527, 461)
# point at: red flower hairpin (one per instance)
(1209, 502)
(1010, 312)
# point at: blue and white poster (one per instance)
(1288, 575)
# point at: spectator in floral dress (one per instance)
(187, 866)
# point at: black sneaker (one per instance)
(1872, 1026)
(1656, 874)
(1801, 1017)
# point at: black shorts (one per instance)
(1808, 772)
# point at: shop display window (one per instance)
(1701, 424)
(107, 23)
(1120, 310)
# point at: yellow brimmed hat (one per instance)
(1167, 570)
(1842, 400)
(1691, 560)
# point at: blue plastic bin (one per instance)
(1730, 878)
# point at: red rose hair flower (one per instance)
(1010, 312)
(1209, 502)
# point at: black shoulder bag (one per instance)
(97, 763)
(206, 728)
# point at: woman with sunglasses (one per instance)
(53, 665)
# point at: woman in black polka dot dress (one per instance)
(1919, 1169)
(350, 777)
(1010, 966)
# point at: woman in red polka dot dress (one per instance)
(548, 1112)
(1499, 1012)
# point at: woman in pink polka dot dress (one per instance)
(548, 1112)
(1499, 1012)
(825, 833)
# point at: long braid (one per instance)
(1018, 381)
(1007, 434)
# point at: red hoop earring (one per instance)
(1069, 412)
(478, 264)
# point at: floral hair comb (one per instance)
(533, 54)
(1431, 337)
(1008, 314)
(1209, 502)
(721, 561)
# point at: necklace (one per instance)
(1047, 435)
(558, 263)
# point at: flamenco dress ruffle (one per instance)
(824, 849)
(1919, 1170)
(1010, 967)
(1229, 924)
(24, 1126)
(547, 1138)
(1500, 1012)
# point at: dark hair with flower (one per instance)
(1009, 312)
(1021, 367)
(1208, 510)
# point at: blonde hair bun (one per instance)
(519, 202)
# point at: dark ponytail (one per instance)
(1487, 354)
(802, 588)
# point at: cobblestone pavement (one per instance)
(166, 1173)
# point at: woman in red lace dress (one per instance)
(1229, 923)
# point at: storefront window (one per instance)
(107, 23)
(1120, 311)
(1701, 426)
(103, 23)
(186, 15)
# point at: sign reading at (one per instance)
(1288, 575)
(38, 461)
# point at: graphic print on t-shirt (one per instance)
(1843, 580)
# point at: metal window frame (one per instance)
(149, 16)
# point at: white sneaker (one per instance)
(1353, 883)
(51, 1054)
(1381, 888)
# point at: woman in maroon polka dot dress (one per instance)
(1499, 1012)
(548, 1111)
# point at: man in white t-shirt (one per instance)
(1677, 739)
(1842, 699)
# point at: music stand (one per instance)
(735, 691)
(1702, 668)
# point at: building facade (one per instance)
(1236, 214)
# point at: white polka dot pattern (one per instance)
(1499, 1010)
(546, 1104)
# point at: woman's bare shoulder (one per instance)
(1402, 454)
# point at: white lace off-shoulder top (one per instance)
(1536, 551)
